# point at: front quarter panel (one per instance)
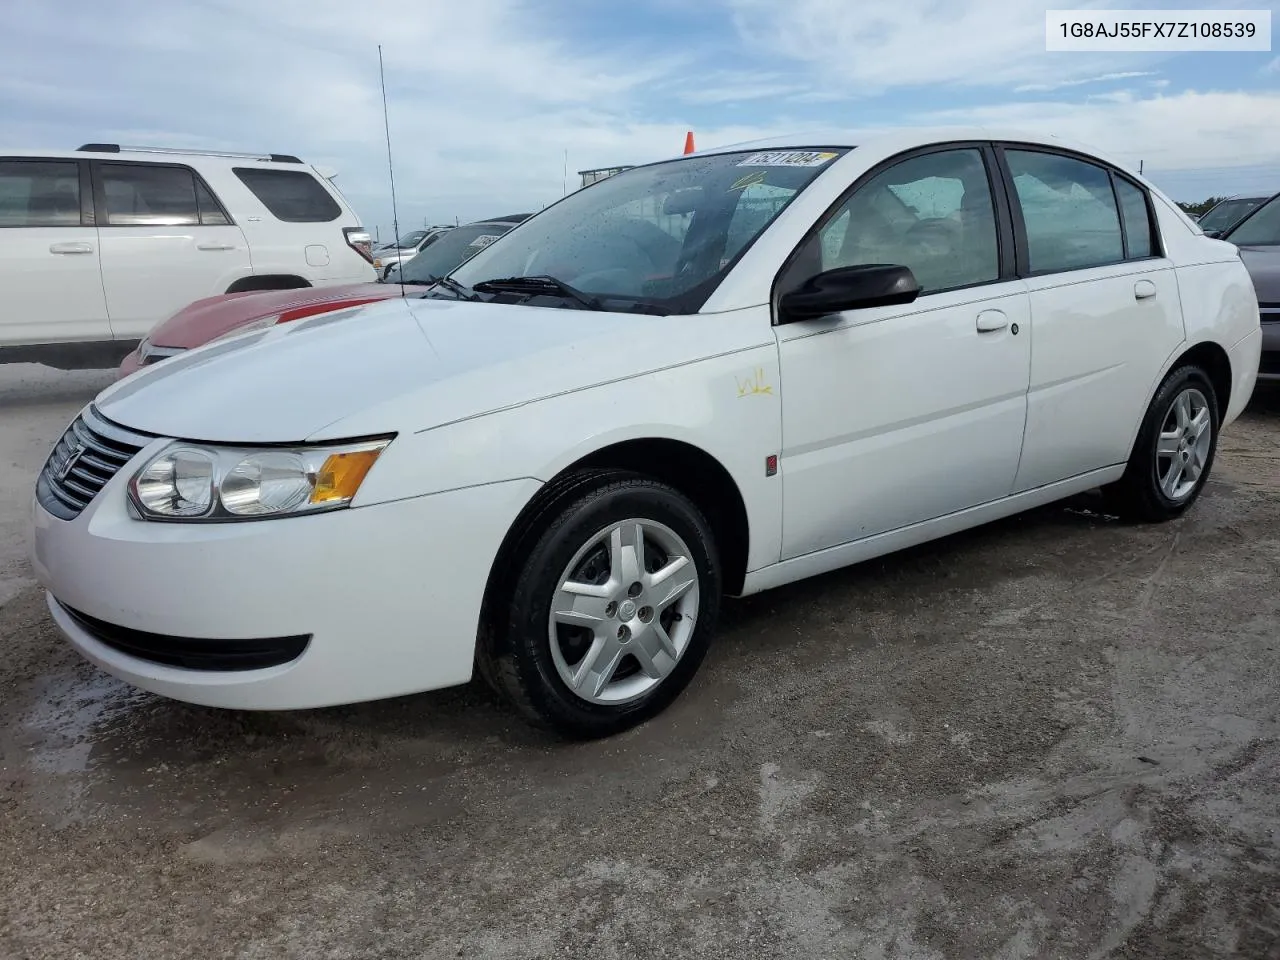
(728, 405)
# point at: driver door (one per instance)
(895, 415)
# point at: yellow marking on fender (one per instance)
(754, 384)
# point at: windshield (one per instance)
(1262, 228)
(660, 236)
(1228, 212)
(449, 250)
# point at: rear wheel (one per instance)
(1174, 451)
(612, 608)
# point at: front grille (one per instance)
(192, 653)
(90, 453)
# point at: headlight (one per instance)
(188, 481)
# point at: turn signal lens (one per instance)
(341, 475)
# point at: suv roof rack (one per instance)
(117, 148)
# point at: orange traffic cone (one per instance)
(688, 142)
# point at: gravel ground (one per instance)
(1053, 737)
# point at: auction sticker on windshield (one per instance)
(789, 158)
(483, 241)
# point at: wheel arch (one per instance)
(1208, 354)
(681, 464)
(268, 281)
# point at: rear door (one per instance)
(166, 241)
(50, 274)
(1105, 310)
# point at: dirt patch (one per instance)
(1056, 736)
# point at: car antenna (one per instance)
(386, 126)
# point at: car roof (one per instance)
(500, 221)
(268, 161)
(907, 138)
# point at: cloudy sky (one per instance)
(485, 96)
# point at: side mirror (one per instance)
(849, 288)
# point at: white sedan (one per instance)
(705, 376)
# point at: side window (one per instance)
(39, 193)
(140, 194)
(1136, 217)
(932, 213)
(1069, 211)
(290, 195)
(211, 214)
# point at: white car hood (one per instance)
(399, 365)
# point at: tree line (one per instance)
(1200, 209)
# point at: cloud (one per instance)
(1272, 67)
(1186, 131)
(728, 87)
(486, 96)
(1105, 78)
(871, 46)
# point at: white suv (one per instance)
(100, 244)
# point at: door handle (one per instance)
(1143, 289)
(75, 246)
(215, 246)
(991, 320)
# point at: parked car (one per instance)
(407, 240)
(1226, 213)
(1258, 237)
(213, 318)
(405, 250)
(102, 243)
(554, 463)
(450, 249)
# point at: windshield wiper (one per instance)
(454, 287)
(533, 286)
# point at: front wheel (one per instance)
(612, 609)
(1174, 451)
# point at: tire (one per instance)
(1145, 493)
(631, 652)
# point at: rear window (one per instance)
(291, 195)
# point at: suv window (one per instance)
(143, 194)
(153, 194)
(932, 213)
(1069, 211)
(211, 212)
(39, 193)
(290, 195)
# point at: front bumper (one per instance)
(387, 596)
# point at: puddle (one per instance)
(66, 713)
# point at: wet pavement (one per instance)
(1056, 736)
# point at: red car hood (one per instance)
(202, 321)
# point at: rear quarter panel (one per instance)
(317, 252)
(1219, 304)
